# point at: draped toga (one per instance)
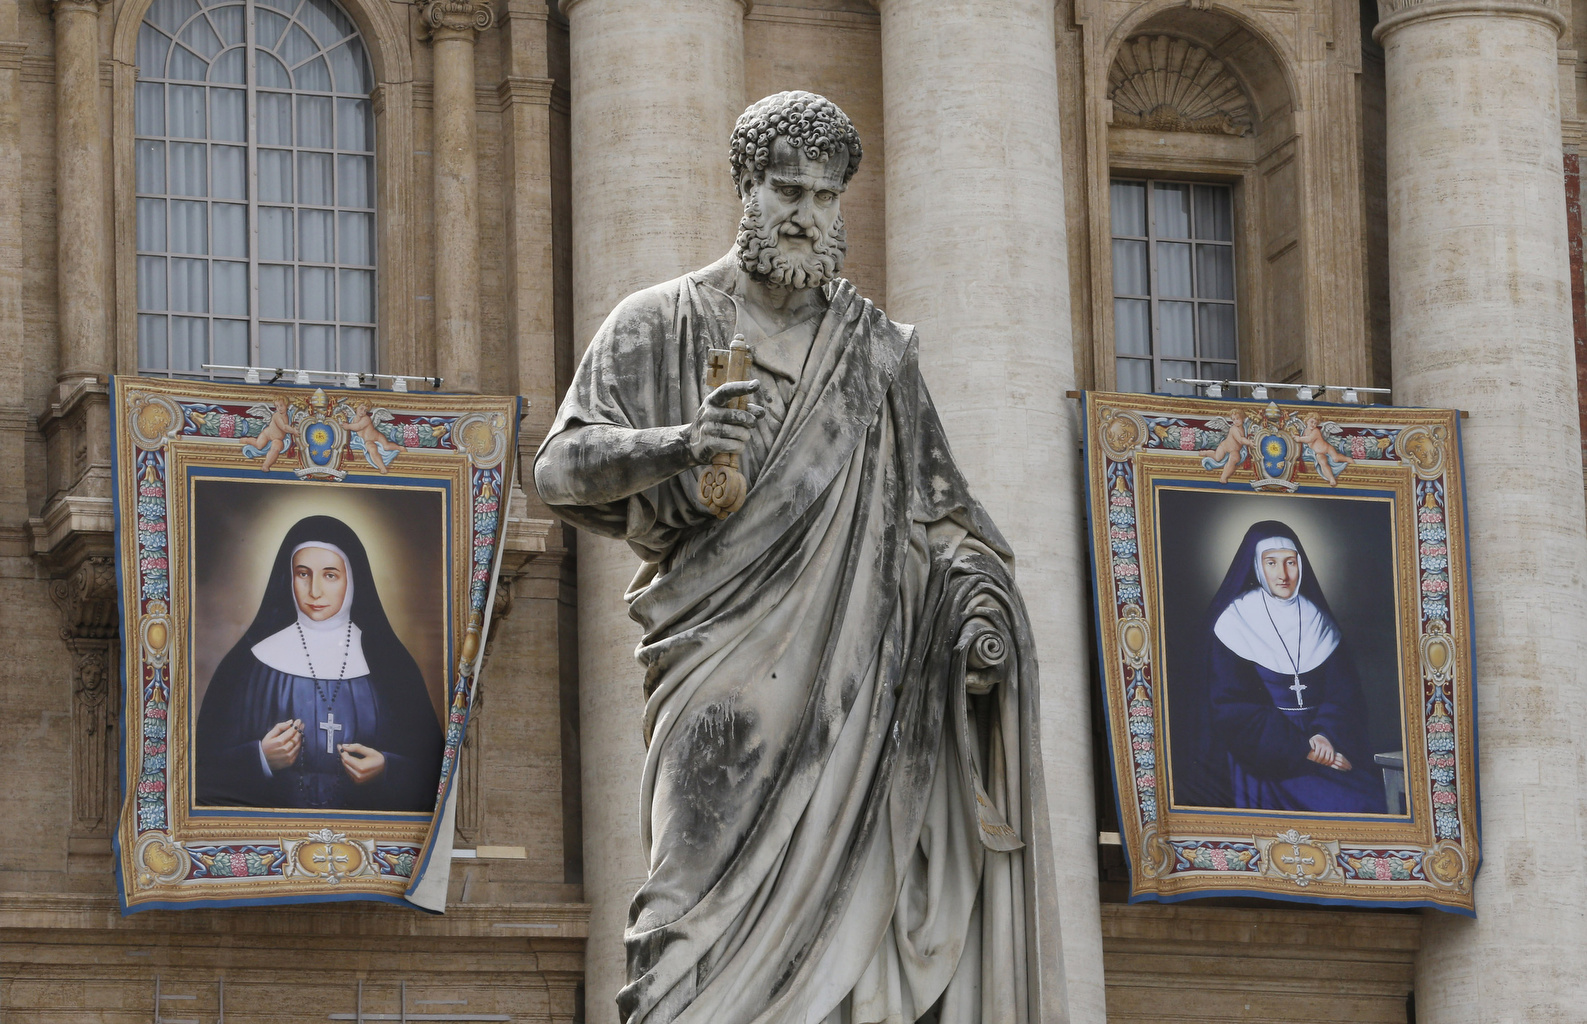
(844, 821)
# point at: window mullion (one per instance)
(1154, 331)
(250, 83)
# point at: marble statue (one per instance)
(842, 803)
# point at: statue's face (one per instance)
(792, 222)
(799, 197)
(319, 582)
(1282, 569)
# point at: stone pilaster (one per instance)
(453, 26)
(1480, 292)
(87, 601)
(82, 230)
(74, 530)
(977, 258)
(655, 91)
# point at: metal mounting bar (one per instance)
(1350, 394)
(254, 375)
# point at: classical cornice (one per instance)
(564, 6)
(536, 922)
(1393, 14)
(453, 19)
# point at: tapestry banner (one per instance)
(305, 580)
(1284, 627)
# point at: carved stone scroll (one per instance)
(1171, 85)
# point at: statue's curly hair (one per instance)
(807, 121)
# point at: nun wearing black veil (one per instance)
(319, 705)
(1275, 719)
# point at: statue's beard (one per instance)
(762, 258)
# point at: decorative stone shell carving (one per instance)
(1170, 85)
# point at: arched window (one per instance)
(255, 187)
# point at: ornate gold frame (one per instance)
(1138, 444)
(170, 854)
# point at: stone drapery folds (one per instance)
(837, 825)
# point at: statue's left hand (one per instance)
(361, 763)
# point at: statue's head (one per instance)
(793, 154)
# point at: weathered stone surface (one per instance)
(1313, 293)
(1482, 318)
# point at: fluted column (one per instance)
(82, 232)
(454, 25)
(655, 91)
(977, 258)
(1480, 292)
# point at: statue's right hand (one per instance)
(282, 744)
(718, 429)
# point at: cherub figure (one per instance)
(274, 439)
(1324, 455)
(378, 449)
(1230, 452)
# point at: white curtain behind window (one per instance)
(254, 250)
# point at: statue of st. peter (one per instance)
(842, 799)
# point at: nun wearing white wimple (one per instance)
(1279, 722)
(319, 705)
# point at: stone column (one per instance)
(81, 228)
(454, 25)
(655, 91)
(977, 258)
(1479, 286)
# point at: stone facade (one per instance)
(537, 161)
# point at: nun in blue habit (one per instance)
(1276, 720)
(319, 705)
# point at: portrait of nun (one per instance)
(319, 705)
(1278, 721)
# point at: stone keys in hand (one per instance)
(722, 486)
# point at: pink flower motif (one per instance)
(239, 865)
(1146, 781)
(1381, 869)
